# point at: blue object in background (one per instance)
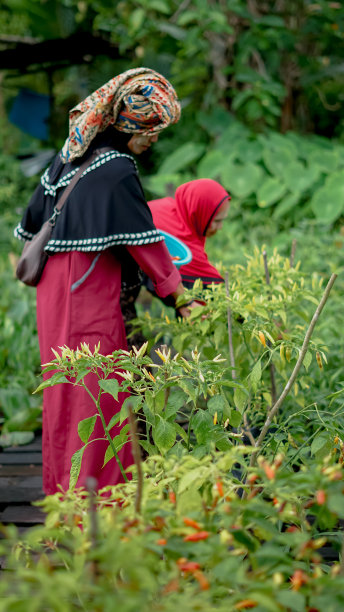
(30, 112)
(177, 248)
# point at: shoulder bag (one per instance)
(33, 258)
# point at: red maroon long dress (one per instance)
(78, 301)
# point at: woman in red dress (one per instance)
(102, 239)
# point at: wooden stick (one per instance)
(230, 337)
(296, 369)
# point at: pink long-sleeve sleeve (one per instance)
(154, 259)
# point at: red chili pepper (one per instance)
(172, 497)
(252, 478)
(298, 579)
(187, 566)
(191, 523)
(244, 604)
(269, 471)
(292, 529)
(320, 496)
(195, 537)
(219, 487)
(162, 542)
(202, 580)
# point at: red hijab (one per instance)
(188, 217)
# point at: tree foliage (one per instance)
(276, 64)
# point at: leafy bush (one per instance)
(197, 543)
(294, 176)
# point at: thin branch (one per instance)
(247, 431)
(107, 433)
(292, 253)
(137, 458)
(297, 367)
(179, 10)
(266, 269)
(91, 486)
(341, 571)
(229, 323)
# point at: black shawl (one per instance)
(106, 208)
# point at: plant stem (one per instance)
(137, 458)
(271, 365)
(100, 412)
(91, 486)
(296, 369)
(229, 323)
(292, 253)
(189, 427)
(341, 571)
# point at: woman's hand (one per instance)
(185, 311)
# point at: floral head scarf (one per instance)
(138, 101)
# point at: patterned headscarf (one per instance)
(138, 101)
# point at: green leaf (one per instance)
(76, 466)
(319, 442)
(307, 360)
(287, 204)
(235, 418)
(298, 177)
(326, 160)
(189, 388)
(113, 421)
(177, 398)
(291, 600)
(219, 404)
(335, 504)
(136, 20)
(247, 150)
(220, 334)
(244, 538)
(328, 202)
(180, 431)
(118, 442)
(86, 427)
(276, 160)
(196, 313)
(255, 375)
(81, 374)
(158, 184)
(16, 438)
(164, 435)
(202, 425)
(181, 158)
(159, 401)
(240, 398)
(111, 386)
(159, 6)
(241, 179)
(135, 401)
(149, 398)
(56, 379)
(193, 478)
(210, 165)
(222, 441)
(270, 192)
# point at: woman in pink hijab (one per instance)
(195, 213)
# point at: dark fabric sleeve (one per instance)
(155, 261)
